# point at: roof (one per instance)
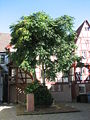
(5, 39)
(8, 47)
(78, 31)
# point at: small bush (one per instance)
(32, 87)
(42, 96)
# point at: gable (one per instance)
(85, 32)
(83, 41)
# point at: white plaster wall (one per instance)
(64, 96)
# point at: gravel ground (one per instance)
(9, 113)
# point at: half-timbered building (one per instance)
(13, 80)
(81, 70)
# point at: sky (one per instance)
(12, 10)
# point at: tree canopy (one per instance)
(38, 37)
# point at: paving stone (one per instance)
(8, 112)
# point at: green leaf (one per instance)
(40, 35)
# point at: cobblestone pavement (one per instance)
(9, 113)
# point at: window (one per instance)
(84, 54)
(89, 53)
(57, 88)
(87, 28)
(13, 72)
(2, 59)
(82, 89)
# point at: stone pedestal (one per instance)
(30, 102)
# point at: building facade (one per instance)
(81, 83)
(4, 41)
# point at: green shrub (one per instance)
(42, 96)
(32, 87)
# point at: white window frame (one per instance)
(83, 87)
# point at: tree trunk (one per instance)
(34, 76)
(43, 74)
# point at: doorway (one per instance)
(5, 88)
(1, 88)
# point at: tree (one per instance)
(40, 36)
